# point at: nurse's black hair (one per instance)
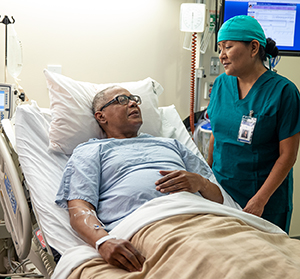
(270, 49)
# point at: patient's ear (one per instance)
(100, 117)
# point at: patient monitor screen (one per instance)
(5, 100)
(2, 95)
(280, 19)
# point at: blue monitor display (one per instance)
(2, 94)
(280, 20)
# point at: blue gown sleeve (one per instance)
(81, 177)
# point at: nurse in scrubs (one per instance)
(255, 119)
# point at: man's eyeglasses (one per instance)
(123, 100)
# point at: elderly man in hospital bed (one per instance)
(171, 218)
(115, 176)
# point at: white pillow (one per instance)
(71, 107)
(180, 133)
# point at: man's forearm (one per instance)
(211, 192)
(118, 252)
(79, 222)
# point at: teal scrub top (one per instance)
(242, 168)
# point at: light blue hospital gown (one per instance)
(118, 175)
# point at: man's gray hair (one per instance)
(100, 98)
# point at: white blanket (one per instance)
(154, 210)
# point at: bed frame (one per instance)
(19, 218)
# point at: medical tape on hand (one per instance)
(88, 214)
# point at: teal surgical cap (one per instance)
(242, 28)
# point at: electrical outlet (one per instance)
(214, 66)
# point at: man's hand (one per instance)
(121, 253)
(179, 180)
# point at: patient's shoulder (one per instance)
(88, 146)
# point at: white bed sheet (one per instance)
(43, 171)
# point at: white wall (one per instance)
(101, 41)
(113, 41)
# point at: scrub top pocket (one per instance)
(265, 130)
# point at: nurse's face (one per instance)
(236, 57)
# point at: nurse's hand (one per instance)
(255, 206)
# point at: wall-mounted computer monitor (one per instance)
(280, 20)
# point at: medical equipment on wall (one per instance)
(207, 35)
(10, 94)
(211, 29)
(192, 19)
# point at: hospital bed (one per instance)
(42, 140)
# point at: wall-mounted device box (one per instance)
(192, 17)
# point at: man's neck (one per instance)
(122, 135)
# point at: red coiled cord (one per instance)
(192, 96)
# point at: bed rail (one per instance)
(13, 201)
(20, 220)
